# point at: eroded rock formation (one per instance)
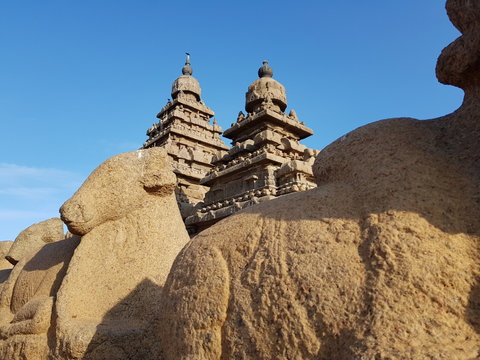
(381, 261)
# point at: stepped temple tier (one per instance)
(184, 130)
(266, 159)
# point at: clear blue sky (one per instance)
(81, 81)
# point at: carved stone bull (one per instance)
(131, 228)
(106, 294)
(34, 237)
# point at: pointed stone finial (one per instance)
(187, 69)
(186, 83)
(265, 70)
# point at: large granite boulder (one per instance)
(381, 261)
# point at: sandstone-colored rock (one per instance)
(381, 261)
(40, 258)
(34, 237)
(5, 265)
(27, 299)
(132, 230)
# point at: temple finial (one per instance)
(265, 70)
(187, 69)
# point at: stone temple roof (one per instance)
(265, 88)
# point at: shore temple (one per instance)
(266, 159)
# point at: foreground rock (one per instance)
(131, 228)
(27, 300)
(381, 261)
(5, 265)
(94, 298)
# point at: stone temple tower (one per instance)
(266, 160)
(184, 130)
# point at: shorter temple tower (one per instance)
(266, 159)
(184, 130)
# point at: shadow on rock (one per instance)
(125, 330)
(473, 307)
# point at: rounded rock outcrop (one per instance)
(458, 62)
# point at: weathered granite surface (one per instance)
(5, 265)
(27, 300)
(381, 261)
(131, 228)
(34, 237)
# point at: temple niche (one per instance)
(266, 159)
(184, 130)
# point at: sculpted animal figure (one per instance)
(380, 261)
(132, 231)
(41, 254)
(34, 237)
(131, 228)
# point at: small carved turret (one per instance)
(293, 115)
(241, 116)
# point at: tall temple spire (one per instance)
(191, 141)
(267, 159)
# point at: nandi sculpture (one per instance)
(131, 228)
(40, 254)
(379, 262)
(34, 237)
(96, 298)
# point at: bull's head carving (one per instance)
(118, 186)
